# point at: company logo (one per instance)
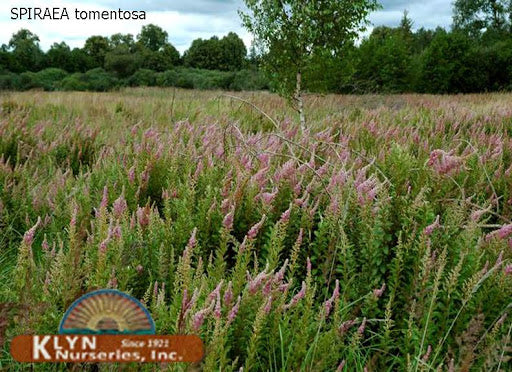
(107, 326)
(107, 311)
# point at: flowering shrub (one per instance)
(378, 239)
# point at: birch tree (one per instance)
(290, 32)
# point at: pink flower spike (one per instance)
(505, 231)
(284, 287)
(508, 269)
(228, 294)
(225, 205)
(430, 228)
(234, 311)
(253, 232)
(256, 283)
(104, 200)
(298, 242)
(192, 242)
(285, 217)
(103, 246)
(216, 292)
(268, 305)
(345, 326)
(477, 215)
(362, 327)
(341, 366)
(502, 233)
(143, 214)
(228, 220)
(501, 320)
(336, 292)
(427, 354)
(199, 319)
(379, 292)
(119, 206)
(280, 274)
(155, 289)
(45, 246)
(335, 295)
(299, 296)
(218, 309)
(268, 197)
(184, 300)
(28, 238)
(499, 260)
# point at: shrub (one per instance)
(10, 81)
(50, 78)
(249, 80)
(167, 78)
(28, 80)
(76, 82)
(99, 80)
(143, 78)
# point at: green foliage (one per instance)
(26, 53)
(75, 82)
(10, 81)
(226, 54)
(59, 55)
(99, 80)
(96, 47)
(143, 78)
(122, 61)
(152, 37)
(383, 62)
(50, 78)
(444, 68)
(476, 16)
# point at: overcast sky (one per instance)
(185, 20)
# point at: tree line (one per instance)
(104, 63)
(475, 55)
(122, 54)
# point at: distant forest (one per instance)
(475, 55)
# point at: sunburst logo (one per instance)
(107, 311)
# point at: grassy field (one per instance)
(379, 239)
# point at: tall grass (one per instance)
(378, 239)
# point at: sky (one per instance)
(185, 20)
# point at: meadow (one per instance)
(377, 239)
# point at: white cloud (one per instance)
(181, 27)
(183, 20)
(427, 13)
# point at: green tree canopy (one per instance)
(97, 47)
(384, 61)
(122, 61)
(126, 40)
(205, 54)
(59, 56)
(233, 52)
(226, 54)
(26, 53)
(476, 16)
(444, 66)
(152, 37)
